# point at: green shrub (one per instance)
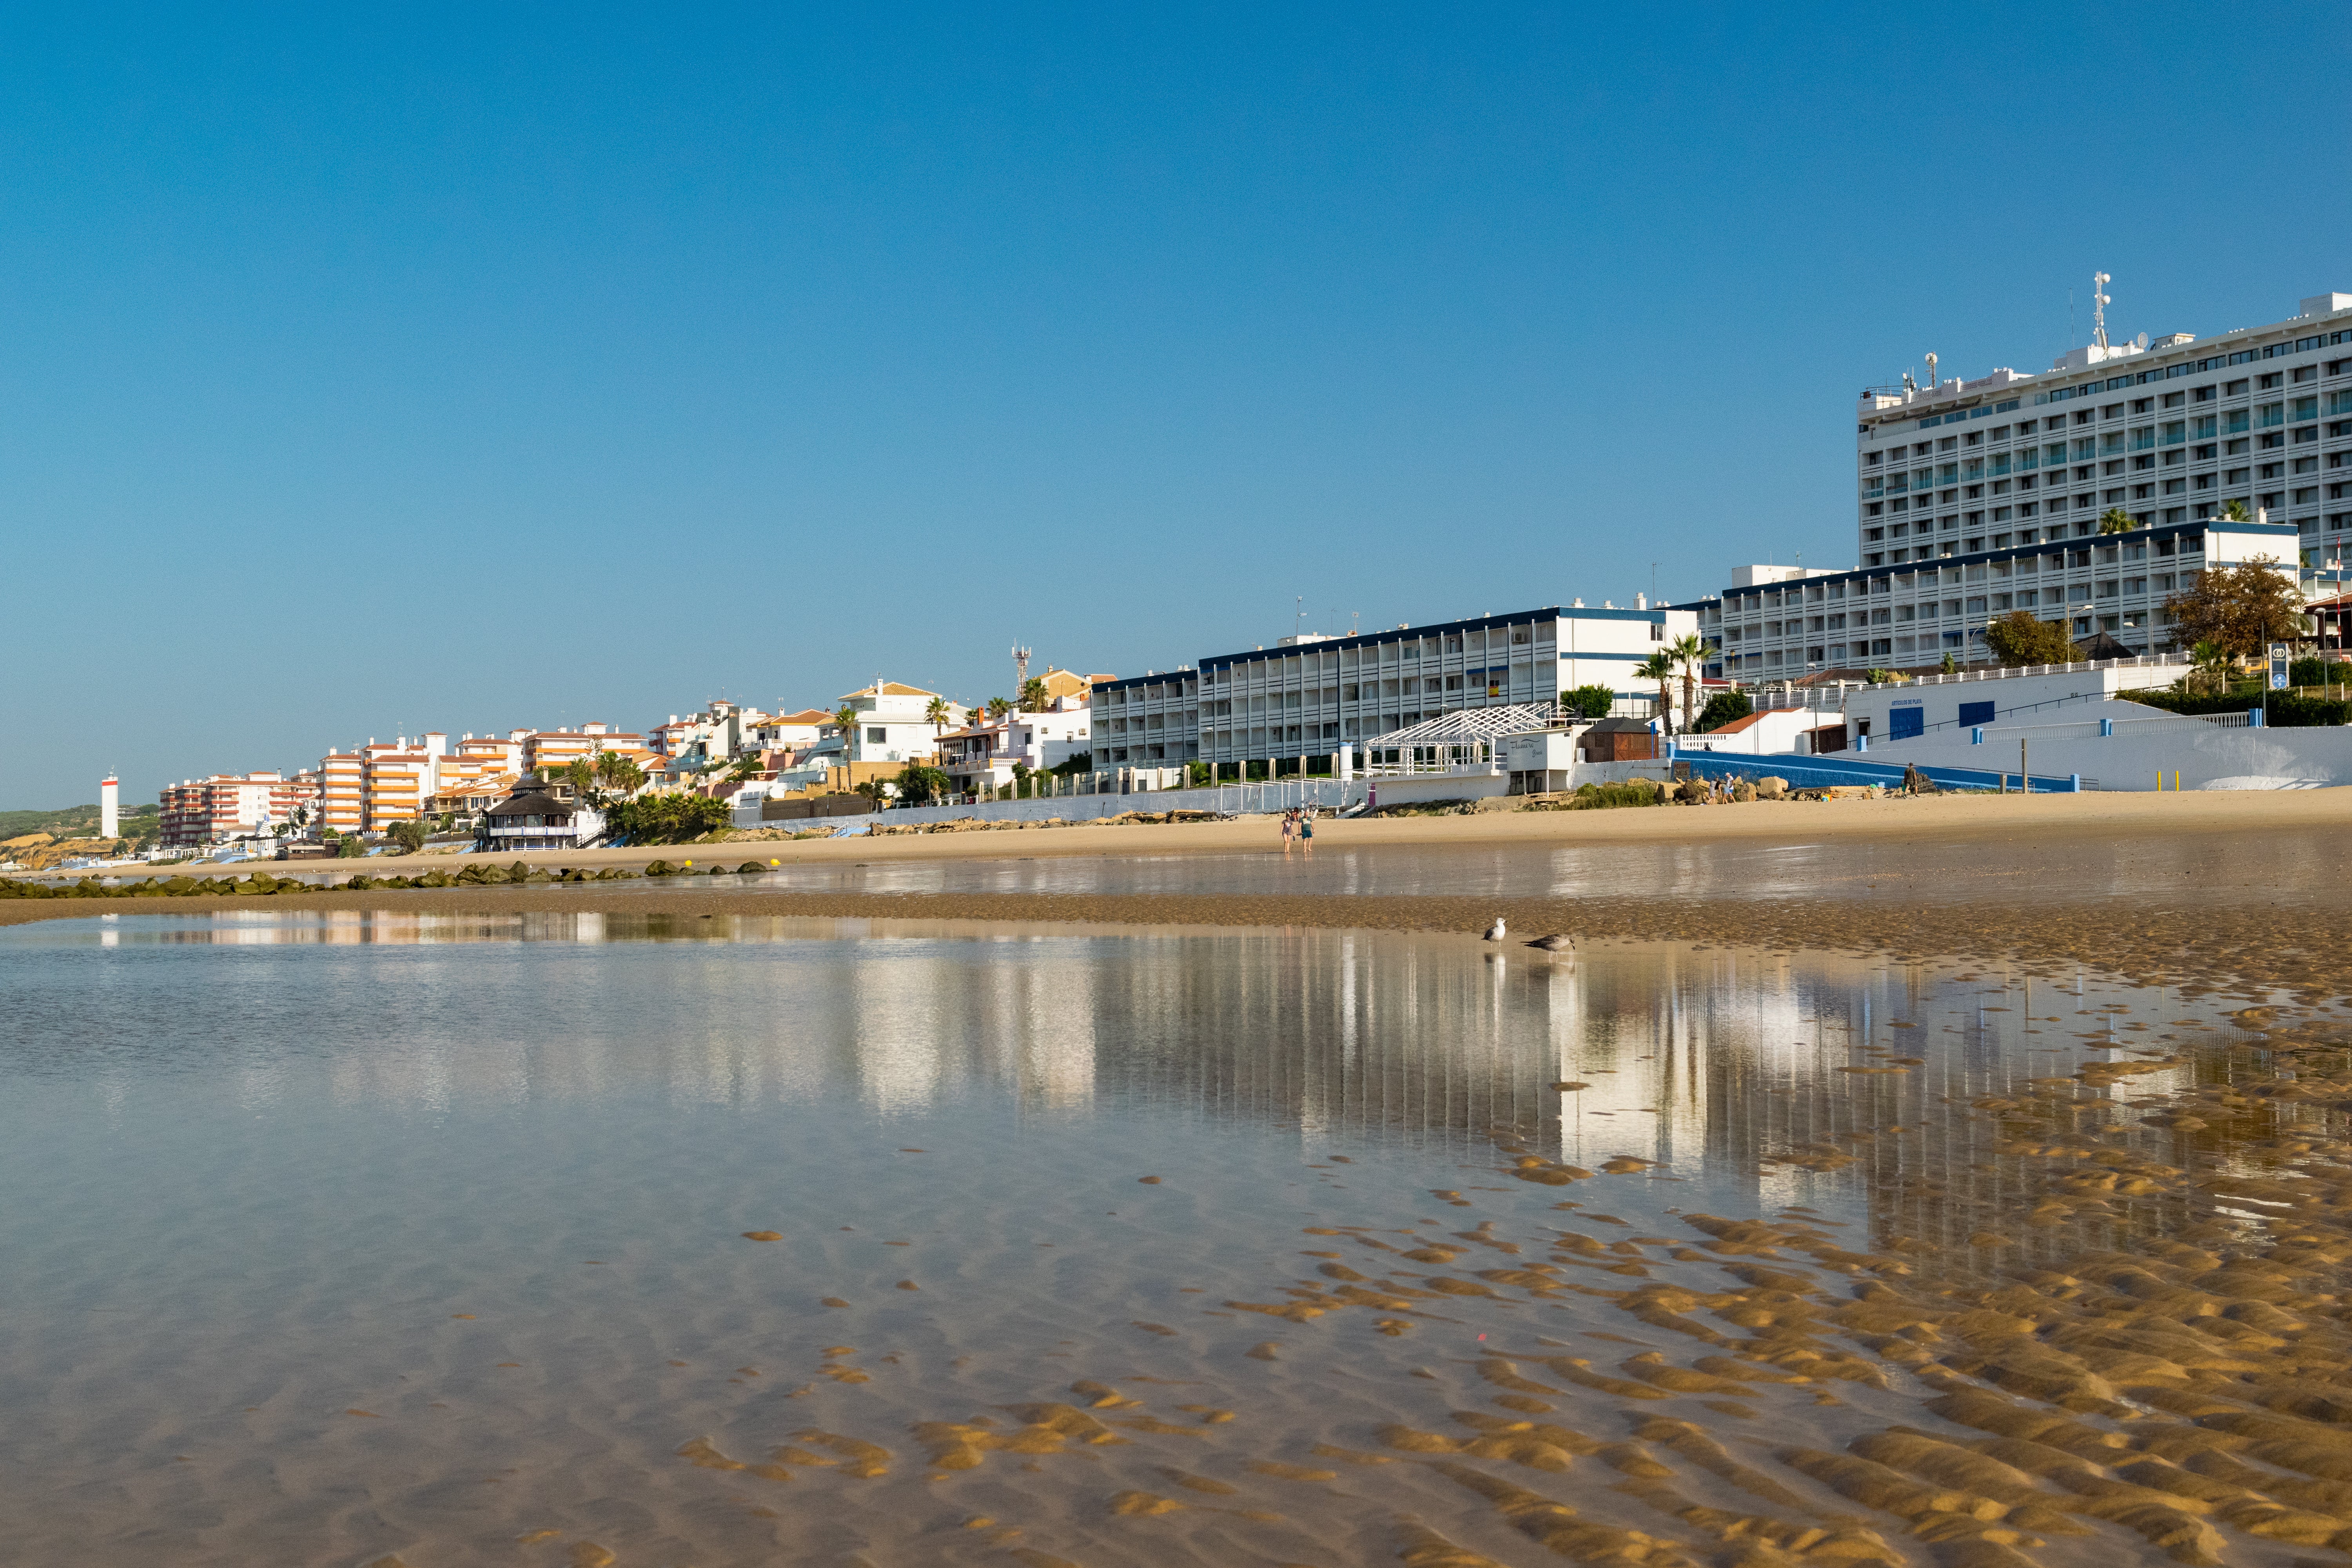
(1602, 797)
(1589, 701)
(2288, 709)
(1722, 708)
(669, 818)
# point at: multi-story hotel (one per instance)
(1977, 498)
(1307, 696)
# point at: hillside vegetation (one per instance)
(79, 822)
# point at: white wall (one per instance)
(2206, 756)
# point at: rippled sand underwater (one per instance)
(584, 1239)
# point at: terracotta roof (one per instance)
(806, 716)
(889, 688)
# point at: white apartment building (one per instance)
(981, 756)
(720, 733)
(893, 725)
(1977, 498)
(1303, 699)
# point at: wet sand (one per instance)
(2200, 889)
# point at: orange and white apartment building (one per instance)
(546, 752)
(197, 812)
(369, 788)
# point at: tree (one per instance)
(1588, 701)
(998, 707)
(2115, 520)
(2243, 608)
(1660, 666)
(845, 718)
(2235, 513)
(2017, 638)
(2210, 669)
(1033, 695)
(1690, 653)
(1951, 664)
(1722, 708)
(619, 773)
(351, 847)
(921, 785)
(937, 712)
(409, 834)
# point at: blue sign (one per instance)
(2278, 665)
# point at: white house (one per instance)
(893, 725)
(980, 757)
(1767, 730)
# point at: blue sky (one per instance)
(465, 369)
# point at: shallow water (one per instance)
(1938, 867)
(335, 1237)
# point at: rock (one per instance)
(1771, 787)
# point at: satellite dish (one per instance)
(2140, 341)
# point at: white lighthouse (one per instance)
(109, 793)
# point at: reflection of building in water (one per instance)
(1765, 1078)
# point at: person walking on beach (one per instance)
(1289, 828)
(1306, 832)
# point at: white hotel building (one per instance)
(1977, 498)
(1307, 697)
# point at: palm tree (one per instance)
(1660, 666)
(619, 773)
(937, 711)
(1688, 651)
(2210, 666)
(998, 707)
(1033, 695)
(2235, 513)
(846, 719)
(2115, 520)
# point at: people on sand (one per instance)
(1306, 832)
(1289, 831)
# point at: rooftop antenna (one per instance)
(2099, 304)
(1298, 617)
(1020, 666)
(1932, 382)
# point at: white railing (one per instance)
(2010, 672)
(2090, 729)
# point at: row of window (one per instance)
(2285, 349)
(1967, 643)
(2275, 381)
(2084, 591)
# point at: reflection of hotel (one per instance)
(1716, 1064)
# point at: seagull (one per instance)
(1561, 944)
(1494, 932)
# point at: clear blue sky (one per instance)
(480, 367)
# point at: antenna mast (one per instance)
(1932, 382)
(1020, 666)
(2099, 304)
